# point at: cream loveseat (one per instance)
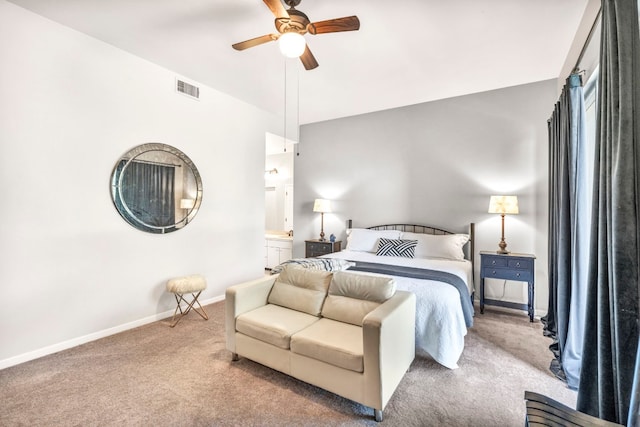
(349, 333)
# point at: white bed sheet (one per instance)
(440, 325)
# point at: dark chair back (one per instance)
(544, 411)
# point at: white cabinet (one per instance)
(277, 251)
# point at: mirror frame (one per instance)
(123, 209)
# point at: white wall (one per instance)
(71, 269)
(437, 164)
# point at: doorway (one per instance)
(279, 188)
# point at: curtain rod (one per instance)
(576, 68)
(149, 162)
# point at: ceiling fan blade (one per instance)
(348, 23)
(277, 8)
(308, 60)
(255, 42)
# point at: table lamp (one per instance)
(187, 204)
(503, 205)
(322, 206)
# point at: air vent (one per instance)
(188, 89)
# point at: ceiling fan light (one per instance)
(292, 45)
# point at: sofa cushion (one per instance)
(353, 295)
(273, 324)
(301, 289)
(336, 343)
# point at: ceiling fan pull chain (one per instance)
(284, 140)
(298, 113)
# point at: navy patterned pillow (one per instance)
(397, 247)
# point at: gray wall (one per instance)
(435, 163)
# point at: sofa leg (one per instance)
(378, 414)
(234, 357)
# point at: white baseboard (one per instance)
(35, 354)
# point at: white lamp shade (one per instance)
(504, 205)
(292, 45)
(322, 205)
(187, 203)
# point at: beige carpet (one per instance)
(155, 375)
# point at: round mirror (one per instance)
(156, 188)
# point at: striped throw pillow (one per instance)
(397, 247)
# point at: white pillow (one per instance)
(365, 240)
(438, 246)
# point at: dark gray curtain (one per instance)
(611, 330)
(148, 193)
(569, 202)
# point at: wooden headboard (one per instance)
(469, 249)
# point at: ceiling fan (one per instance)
(293, 21)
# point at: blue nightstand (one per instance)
(511, 266)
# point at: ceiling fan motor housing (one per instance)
(296, 22)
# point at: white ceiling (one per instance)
(406, 52)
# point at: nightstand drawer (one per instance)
(319, 248)
(494, 261)
(507, 262)
(524, 264)
(507, 274)
(314, 248)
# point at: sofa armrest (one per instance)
(242, 298)
(389, 346)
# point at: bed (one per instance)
(444, 309)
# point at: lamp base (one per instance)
(502, 252)
(503, 247)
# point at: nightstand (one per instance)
(511, 266)
(314, 248)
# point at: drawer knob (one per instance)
(517, 274)
(494, 263)
(517, 264)
(493, 272)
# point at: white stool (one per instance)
(180, 286)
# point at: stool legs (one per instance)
(190, 305)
